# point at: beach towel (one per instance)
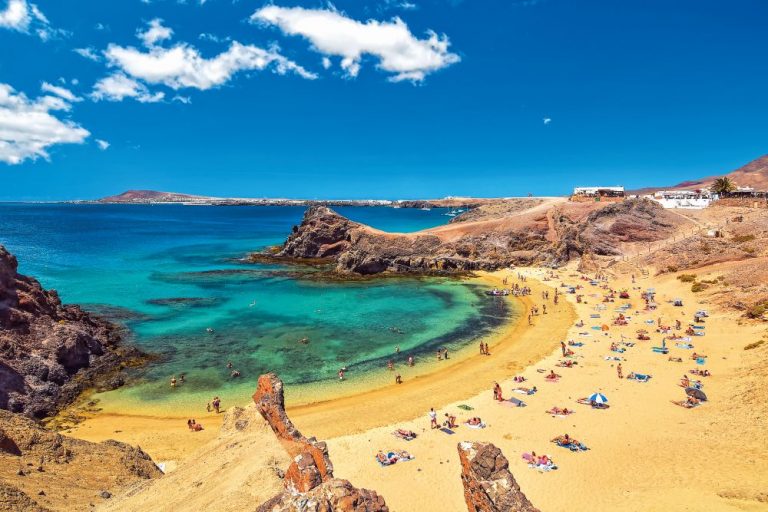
(660, 350)
(523, 392)
(613, 358)
(701, 360)
(684, 345)
(639, 377)
(578, 344)
(447, 431)
(512, 402)
(465, 407)
(594, 315)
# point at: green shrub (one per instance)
(743, 238)
(699, 287)
(754, 345)
(687, 278)
(757, 310)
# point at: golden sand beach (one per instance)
(645, 453)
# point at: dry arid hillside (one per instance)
(42, 470)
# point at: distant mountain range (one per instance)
(754, 174)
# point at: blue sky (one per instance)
(376, 98)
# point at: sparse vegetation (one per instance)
(739, 239)
(757, 310)
(754, 345)
(687, 278)
(699, 287)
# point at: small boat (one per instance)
(426, 209)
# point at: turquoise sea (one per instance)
(171, 272)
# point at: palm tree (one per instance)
(722, 186)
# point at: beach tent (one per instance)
(599, 398)
(696, 393)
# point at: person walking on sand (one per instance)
(433, 418)
(562, 347)
(217, 404)
(619, 372)
(445, 353)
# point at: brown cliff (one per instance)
(524, 232)
(43, 470)
(488, 484)
(309, 482)
(49, 352)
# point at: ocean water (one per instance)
(170, 273)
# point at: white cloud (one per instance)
(88, 53)
(326, 63)
(332, 33)
(29, 127)
(103, 145)
(155, 33)
(61, 92)
(182, 65)
(22, 16)
(117, 87)
(547, 120)
(182, 99)
(16, 16)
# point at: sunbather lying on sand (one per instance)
(560, 412)
(475, 422)
(552, 375)
(525, 391)
(592, 403)
(404, 434)
(676, 359)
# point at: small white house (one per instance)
(686, 199)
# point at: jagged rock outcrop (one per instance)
(70, 472)
(49, 352)
(501, 236)
(606, 230)
(309, 482)
(488, 484)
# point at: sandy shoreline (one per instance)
(645, 453)
(513, 347)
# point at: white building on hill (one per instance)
(688, 199)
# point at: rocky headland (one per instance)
(510, 232)
(51, 352)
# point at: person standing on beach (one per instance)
(618, 371)
(562, 347)
(398, 379)
(216, 404)
(433, 418)
(410, 360)
(173, 381)
(445, 353)
(341, 374)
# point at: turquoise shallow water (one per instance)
(171, 272)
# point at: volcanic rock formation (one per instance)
(531, 232)
(309, 482)
(488, 484)
(50, 352)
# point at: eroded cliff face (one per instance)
(309, 482)
(500, 236)
(49, 352)
(488, 484)
(43, 470)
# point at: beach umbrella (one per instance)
(696, 393)
(598, 398)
